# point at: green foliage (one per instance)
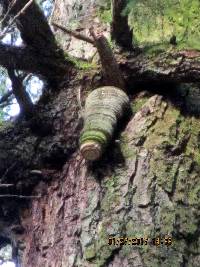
(83, 65)
(104, 12)
(80, 64)
(156, 21)
(105, 16)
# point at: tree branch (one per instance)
(15, 17)
(22, 97)
(27, 59)
(74, 34)
(6, 15)
(180, 66)
(6, 185)
(34, 28)
(111, 71)
(42, 49)
(120, 31)
(18, 196)
(5, 97)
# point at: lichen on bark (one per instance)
(153, 193)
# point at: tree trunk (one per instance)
(120, 29)
(145, 187)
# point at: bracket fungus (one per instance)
(103, 109)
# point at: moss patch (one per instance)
(156, 22)
(164, 130)
(80, 64)
(138, 103)
(105, 15)
(127, 151)
(170, 171)
(104, 11)
(112, 197)
(90, 252)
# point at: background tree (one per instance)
(58, 209)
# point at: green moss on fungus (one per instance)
(104, 107)
(93, 135)
(168, 191)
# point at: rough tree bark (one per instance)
(146, 185)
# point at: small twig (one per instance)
(12, 3)
(74, 34)
(18, 196)
(7, 104)
(5, 97)
(6, 185)
(79, 98)
(10, 168)
(36, 172)
(15, 17)
(22, 97)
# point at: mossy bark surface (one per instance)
(146, 186)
